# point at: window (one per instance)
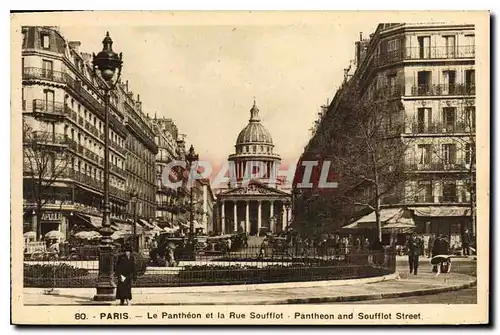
(467, 153)
(424, 46)
(450, 46)
(470, 118)
(392, 45)
(392, 81)
(424, 119)
(424, 154)
(469, 45)
(470, 81)
(424, 82)
(425, 191)
(45, 41)
(449, 114)
(47, 69)
(449, 78)
(449, 192)
(49, 100)
(449, 154)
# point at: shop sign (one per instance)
(52, 216)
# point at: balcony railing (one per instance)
(30, 73)
(45, 137)
(440, 128)
(443, 89)
(117, 147)
(70, 113)
(47, 108)
(421, 53)
(435, 166)
(449, 198)
(117, 170)
(90, 155)
(426, 198)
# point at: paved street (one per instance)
(465, 296)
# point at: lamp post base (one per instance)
(105, 288)
(105, 293)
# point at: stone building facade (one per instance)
(63, 124)
(428, 72)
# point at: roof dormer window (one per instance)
(45, 40)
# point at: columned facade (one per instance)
(251, 215)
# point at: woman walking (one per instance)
(125, 273)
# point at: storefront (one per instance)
(446, 220)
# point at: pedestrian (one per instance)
(440, 247)
(125, 273)
(263, 247)
(432, 238)
(245, 240)
(414, 248)
(170, 253)
(466, 243)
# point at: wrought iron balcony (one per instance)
(31, 73)
(425, 198)
(41, 107)
(439, 166)
(425, 53)
(449, 198)
(440, 128)
(443, 89)
(45, 137)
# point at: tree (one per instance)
(46, 160)
(372, 160)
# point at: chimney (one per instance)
(360, 35)
(87, 58)
(75, 45)
(126, 85)
(138, 104)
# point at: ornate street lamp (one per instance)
(288, 205)
(133, 199)
(106, 64)
(191, 157)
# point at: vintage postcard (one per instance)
(279, 168)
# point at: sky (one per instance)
(205, 77)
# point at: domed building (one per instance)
(253, 202)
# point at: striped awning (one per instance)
(94, 221)
(146, 224)
(438, 211)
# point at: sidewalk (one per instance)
(404, 286)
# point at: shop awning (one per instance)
(438, 211)
(94, 221)
(391, 219)
(124, 227)
(146, 224)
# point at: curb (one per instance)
(316, 300)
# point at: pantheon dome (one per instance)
(255, 144)
(254, 132)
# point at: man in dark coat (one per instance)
(466, 239)
(414, 248)
(125, 273)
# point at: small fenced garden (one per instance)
(250, 265)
